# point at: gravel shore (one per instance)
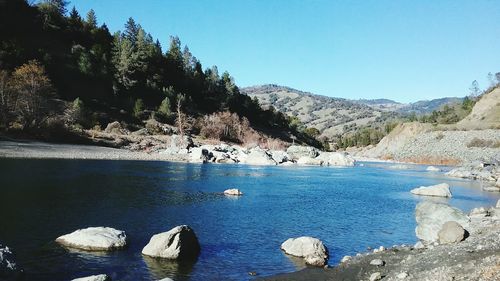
(42, 150)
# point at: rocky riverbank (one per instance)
(475, 258)
(180, 149)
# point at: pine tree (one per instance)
(131, 31)
(91, 19)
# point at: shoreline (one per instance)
(32, 149)
(475, 258)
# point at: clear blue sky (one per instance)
(404, 50)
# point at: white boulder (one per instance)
(336, 159)
(233, 192)
(439, 190)
(433, 169)
(100, 277)
(199, 155)
(308, 161)
(451, 232)
(432, 216)
(280, 156)
(297, 151)
(311, 249)
(178, 243)
(95, 239)
(258, 156)
(480, 212)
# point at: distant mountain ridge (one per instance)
(331, 115)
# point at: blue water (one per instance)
(349, 209)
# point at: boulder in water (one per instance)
(233, 192)
(311, 249)
(439, 190)
(178, 243)
(95, 239)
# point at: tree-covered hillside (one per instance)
(125, 76)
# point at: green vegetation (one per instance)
(119, 76)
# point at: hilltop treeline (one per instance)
(124, 76)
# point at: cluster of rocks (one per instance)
(224, 153)
(486, 171)
(179, 243)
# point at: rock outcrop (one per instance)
(311, 249)
(178, 243)
(432, 216)
(438, 190)
(95, 239)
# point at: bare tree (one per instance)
(181, 120)
(474, 89)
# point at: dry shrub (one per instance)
(477, 142)
(273, 144)
(224, 126)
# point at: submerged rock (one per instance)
(233, 192)
(451, 232)
(94, 239)
(439, 190)
(100, 277)
(432, 216)
(9, 269)
(311, 249)
(178, 243)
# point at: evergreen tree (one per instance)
(91, 19)
(131, 31)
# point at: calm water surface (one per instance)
(350, 209)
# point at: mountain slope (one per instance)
(328, 115)
(485, 113)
